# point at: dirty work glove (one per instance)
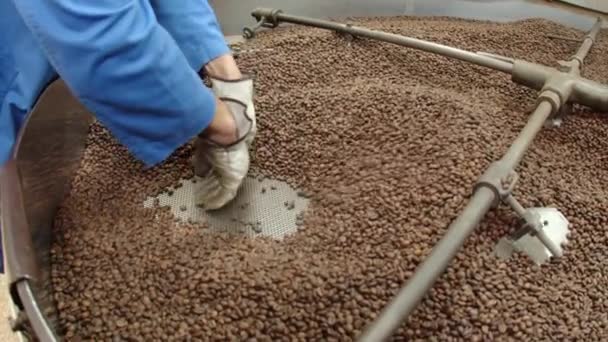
(241, 90)
(220, 168)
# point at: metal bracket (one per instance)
(533, 238)
(538, 225)
(267, 19)
(540, 237)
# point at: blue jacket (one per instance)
(133, 63)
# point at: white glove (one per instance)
(221, 169)
(241, 90)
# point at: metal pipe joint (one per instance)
(500, 178)
(559, 87)
(553, 98)
(588, 42)
(270, 14)
(557, 90)
(265, 17)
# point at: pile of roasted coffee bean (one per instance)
(389, 142)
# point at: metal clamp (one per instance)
(500, 179)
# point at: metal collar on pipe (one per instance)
(588, 41)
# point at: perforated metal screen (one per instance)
(262, 207)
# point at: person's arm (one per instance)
(194, 26)
(125, 68)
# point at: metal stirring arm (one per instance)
(273, 17)
(564, 83)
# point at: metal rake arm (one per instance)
(274, 17)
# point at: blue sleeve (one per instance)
(125, 68)
(194, 26)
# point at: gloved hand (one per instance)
(241, 90)
(221, 157)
